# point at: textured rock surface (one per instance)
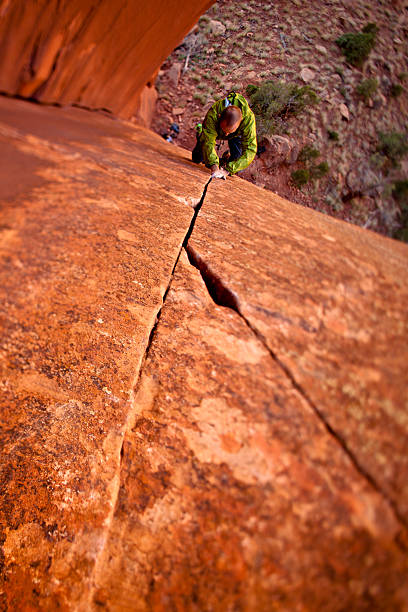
(98, 55)
(212, 465)
(329, 300)
(233, 495)
(93, 218)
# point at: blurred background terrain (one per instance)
(328, 82)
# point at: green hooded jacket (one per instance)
(246, 131)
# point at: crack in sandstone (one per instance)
(100, 559)
(224, 296)
(197, 209)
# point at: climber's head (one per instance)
(230, 119)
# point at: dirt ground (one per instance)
(240, 43)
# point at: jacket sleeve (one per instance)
(208, 138)
(249, 146)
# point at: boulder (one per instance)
(344, 111)
(321, 49)
(216, 27)
(278, 150)
(306, 74)
(171, 425)
(173, 74)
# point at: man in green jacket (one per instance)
(228, 119)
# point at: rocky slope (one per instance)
(248, 42)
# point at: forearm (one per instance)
(209, 154)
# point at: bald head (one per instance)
(230, 119)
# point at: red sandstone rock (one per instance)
(89, 235)
(329, 300)
(146, 106)
(233, 495)
(211, 466)
(96, 55)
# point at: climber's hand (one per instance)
(220, 173)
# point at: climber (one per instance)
(228, 119)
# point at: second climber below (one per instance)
(228, 119)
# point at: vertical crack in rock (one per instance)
(223, 296)
(197, 209)
(99, 561)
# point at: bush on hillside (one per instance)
(273, 102)
(396, 90)
(308, 153)
(300, 177)
(356, 46)
(333, 135)
(367, 88)
(393, 145)
(400, 192)
(319, 171)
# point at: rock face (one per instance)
(98, 55)
(89, 236)
(230, 440)
(227, 467)
(326, 298)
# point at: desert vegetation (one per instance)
(319, 77)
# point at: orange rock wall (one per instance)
(95, 54)
(231, 437)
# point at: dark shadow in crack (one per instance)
(220, 294)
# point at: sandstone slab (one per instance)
(242, 458)
(233, 495)
(329, 300)
(89, 235)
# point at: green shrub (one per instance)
(367, 88)
(273, 102)
(308, 153)
(317, 172)
(333, 135)
(400, 192)
(356, 46)
(396, 90)
(393, 145)
(402, 76)
(251, 89)
(402, 233)
(300, 177)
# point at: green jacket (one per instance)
(246, 131)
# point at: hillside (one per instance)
(241, 43)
